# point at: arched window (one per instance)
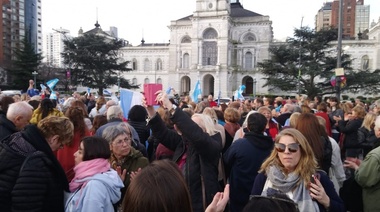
(248, 58)
(146, 80)
(159, 81)
(146, 65)
(159, 64)
(249, 38)
(186, 39)
(365, 62)
(134, 81)
(186, 62)
(134, 64)
(210, 47)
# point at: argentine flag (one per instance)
(51, 83)
(128, 99)
(239, 93)
(197, 91)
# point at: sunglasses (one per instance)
(291, 147)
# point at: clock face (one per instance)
(210, 5)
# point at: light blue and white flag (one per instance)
(107, 92)
(197, 91)
(239, 93)
(43, 87)
(168, 90)
(51, 83)
(88, 90)
(128, 99)
(53, 95)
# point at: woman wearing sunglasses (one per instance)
(291, 169)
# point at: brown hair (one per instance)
(99, 120)
(360, 111)
(159, 187)
(310, 127)
(100, 102)
(75, 114)
(79, 103)
(231, 115)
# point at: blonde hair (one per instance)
(293, 119)
(369, 121)
(307, 164)
(54, 125)
(206, 123)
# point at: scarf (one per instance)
(291, 183)
(87, 169)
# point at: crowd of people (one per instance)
(261, 154)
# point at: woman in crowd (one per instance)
(367, 139)
(291, 169)
(336, 111)
(64, 156)
(322, 112)
(87, 121)
(31, 177)
(349, 126)
(124, 158)
(137, 119)
(156, 150)
(317, 138)
(160, 187)
(272, 127)
(197, 147)
(98, 121)
(232, 117)
(100, 108)
(46, 108)
(95, 187)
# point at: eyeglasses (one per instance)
(120, 142)
(291, 147)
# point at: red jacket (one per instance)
(328, 124)
(65, 156)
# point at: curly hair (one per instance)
(75, 114)
(54, 125)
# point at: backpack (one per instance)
(351, 194)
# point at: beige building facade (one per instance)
(219, 44)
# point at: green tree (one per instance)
(94, 61)
(26, 62)
(312, 72)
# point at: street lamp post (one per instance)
(254, 88)
(339, 49)
(35, 75)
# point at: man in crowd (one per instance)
(17, 117)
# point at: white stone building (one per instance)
(219, 44)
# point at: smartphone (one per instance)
(315, 176)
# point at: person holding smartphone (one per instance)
(291, 170)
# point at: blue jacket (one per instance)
(336, 203)
(99, 194)
(244, 158)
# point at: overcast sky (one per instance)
(150, 18)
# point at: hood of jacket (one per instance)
(112, 183)
(261, 141)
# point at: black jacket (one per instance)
(142, 129)
(31, 178)
(350, 130)
(244, 158)
(367, 140)
(6, 127)
(202, 155)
